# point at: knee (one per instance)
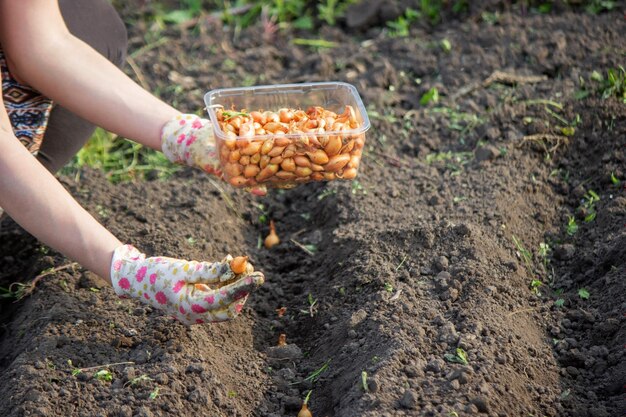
(97, 23)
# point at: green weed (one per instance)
(523, 253)
(455, 161)
(490, 18)
(315, 375)
(599, 6)
(121, 160)
(154, 393)
(364, 381)
(399, 28)
(588, 205)
(326, 193)
(613, 85)
(459, 356)
(103, 375)
(583, 294)
(312, 306)
(357, 188)
(431, 95)
(459, 121)
(330, 11)
(544, 251)
(191, 9)
(614, 180)
(314, 43)
(446, 45)
(535, 284)
(401, 262)
(572, 226)
(138, 380)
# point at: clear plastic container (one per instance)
(259, 143)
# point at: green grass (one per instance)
(121, 160)
(614, 84)
(307, 15)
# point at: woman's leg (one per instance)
(97, 23)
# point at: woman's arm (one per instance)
(43, 53)
(40, 204)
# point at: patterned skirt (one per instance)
(28, 110)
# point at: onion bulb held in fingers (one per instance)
(238, 264)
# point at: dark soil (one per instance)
(414, 260)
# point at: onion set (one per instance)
(289, 146)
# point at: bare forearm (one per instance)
(40, 204)
(44, 54)
(95, 89)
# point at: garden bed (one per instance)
(461, 273)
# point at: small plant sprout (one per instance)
(154, 393)
(559, 302)
(326, 193)
(232, 394)
(588, 205)
(583, 294)
(312, 306)
(400, 27)
(364, 381)
(544, 251)
(304, 410)
(388, 287)
(459, 356)
(572, 226)
(614, 85)
(535, 284)
(358, 187)
(446, 46)
(523, 253)
(103, 375)
(614, 180)
(138, 380)
(315, 375)
(431, 95)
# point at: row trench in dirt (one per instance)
(429, 254)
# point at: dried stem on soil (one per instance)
(301, 246)
(27, 289)
(542, 138)
(500, 77)
(106, 365)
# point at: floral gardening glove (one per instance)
(192, 292)
(188, 139)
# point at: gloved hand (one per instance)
(188, 139)
(170, 285)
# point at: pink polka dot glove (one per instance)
(192, 292)
(188, 139)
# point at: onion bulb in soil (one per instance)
(238, 264)
(304, 411)
(272, 239)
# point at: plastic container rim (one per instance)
(359, 103)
